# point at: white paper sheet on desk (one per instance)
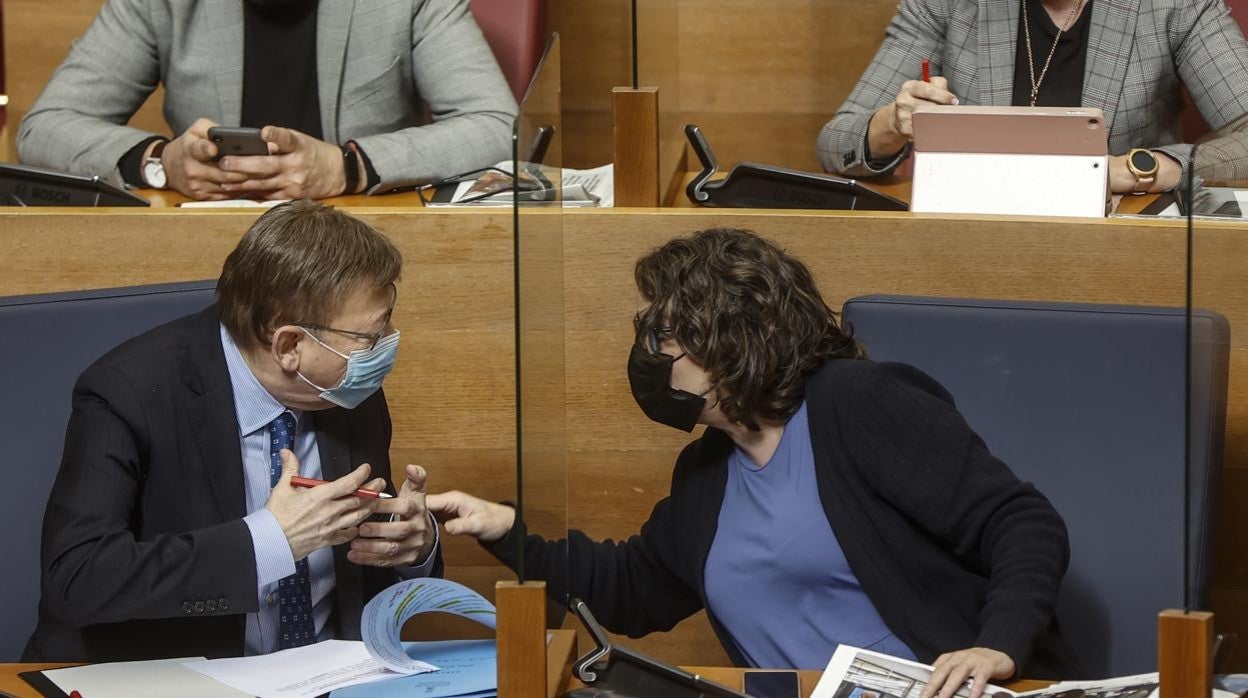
(466, 668)
(155, 679)
(385, 614)
(302, 672)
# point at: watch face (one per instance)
(1143, 161)
(154, 173)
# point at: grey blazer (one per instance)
(376, 61)
(1140, 52)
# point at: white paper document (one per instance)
(302, 672)
(155, 679)
(859, 673)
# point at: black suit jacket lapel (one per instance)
(210, 409)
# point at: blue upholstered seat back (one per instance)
(1087, 403)
(45, 343)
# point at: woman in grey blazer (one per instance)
(1128, 58)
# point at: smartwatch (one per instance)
(1143, 164)
(154, 167)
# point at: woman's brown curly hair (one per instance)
(746, 311)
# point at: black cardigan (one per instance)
(953, 550)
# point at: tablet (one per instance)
(1035, 161)
(1010, 130)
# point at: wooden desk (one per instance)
(561, 651)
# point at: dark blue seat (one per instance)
(1087, 403)
(45, 343)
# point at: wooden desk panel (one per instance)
(451, 396)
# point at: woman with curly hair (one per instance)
(830, 500)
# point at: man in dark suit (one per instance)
(173, 528)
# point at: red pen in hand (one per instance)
(927, 70)
(312, 482)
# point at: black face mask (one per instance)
(650, 377)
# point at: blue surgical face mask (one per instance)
(366, 369)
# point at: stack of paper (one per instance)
(303, 672)
(438, 669)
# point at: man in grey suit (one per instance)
(1128, 58)
(338, 87)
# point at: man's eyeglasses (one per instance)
(371, 338)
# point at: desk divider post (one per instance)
(521, 639)
(636, 136)
(1185, 653)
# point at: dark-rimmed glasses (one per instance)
(371, 337)
(652, 337)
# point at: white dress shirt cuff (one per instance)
(424, 568)
(274, 561)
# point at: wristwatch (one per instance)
(351, 167)
(1143, 164)
(154, 167)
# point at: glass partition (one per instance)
(537, 142)
(618, 43)
(597, 38)
(1214, 231)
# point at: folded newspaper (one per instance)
(537, 184)
(859, 673)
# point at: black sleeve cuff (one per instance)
(131, 164)
(505, 549)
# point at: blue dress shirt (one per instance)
(255, 408)
(776, 577)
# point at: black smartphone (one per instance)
(772, 684)
(232, 140)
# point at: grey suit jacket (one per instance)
(1140, 52)
(376, 61)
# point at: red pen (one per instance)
(312, 482)
(927, 70)
(75, 694)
